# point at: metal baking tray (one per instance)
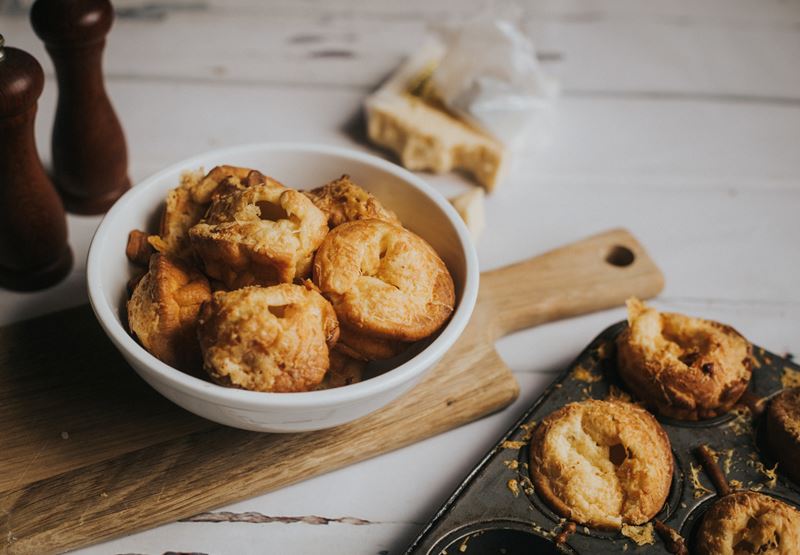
(496, 509)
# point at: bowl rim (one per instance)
(240, 398)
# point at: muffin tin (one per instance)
(496, 509)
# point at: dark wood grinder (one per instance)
(33, 229)
(90, 158)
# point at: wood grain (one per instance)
(90, 158)
(133, 460)
(90, 452)
(593, 48)
(33, 230)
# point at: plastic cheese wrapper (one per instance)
(464, 101)
(489, 75)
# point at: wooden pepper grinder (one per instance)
(90, 159)
(33, 229)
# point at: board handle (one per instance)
(597, 273)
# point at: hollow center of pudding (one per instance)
(690, 341)
(744, 546)
(388, 269)
(279, 311)
(674, 337)
(271, 211)
(617, 454)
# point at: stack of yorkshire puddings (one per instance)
(607, 464)
(268, 288)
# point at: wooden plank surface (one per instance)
(593, 47)
(90, 451)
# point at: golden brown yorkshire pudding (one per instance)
(682, 367)
(361, 346)
(602, 463)
(783, 431)
(186, 204)
(232, 177)
(344, 370)
(343, 201)
(384, 281)
(259, 235)
(748, 522)
(138, 249)
(268, 338)
(163, 309)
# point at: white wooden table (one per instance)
(679, 120)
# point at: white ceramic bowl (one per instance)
(301, 166)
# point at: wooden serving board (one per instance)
(88, 451)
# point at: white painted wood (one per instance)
(680, 120)
(595, 48)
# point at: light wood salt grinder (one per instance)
(33, 229)
(90, 158)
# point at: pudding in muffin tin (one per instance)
(746, 522)
(783, 431)
(599, 466)
(608, 463)
(228, 285)
(602, 463)
(682, 367)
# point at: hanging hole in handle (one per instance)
(620, 256)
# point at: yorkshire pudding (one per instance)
(749, 522)
(602, 463)
(682, 367)
(162, 311)
(783, 431)
(259, 235)
(344, 201)
(384, 281)
(268, 338)
(186, 204)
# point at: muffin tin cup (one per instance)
(497, 510)
(509, 537)
(673, 498)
